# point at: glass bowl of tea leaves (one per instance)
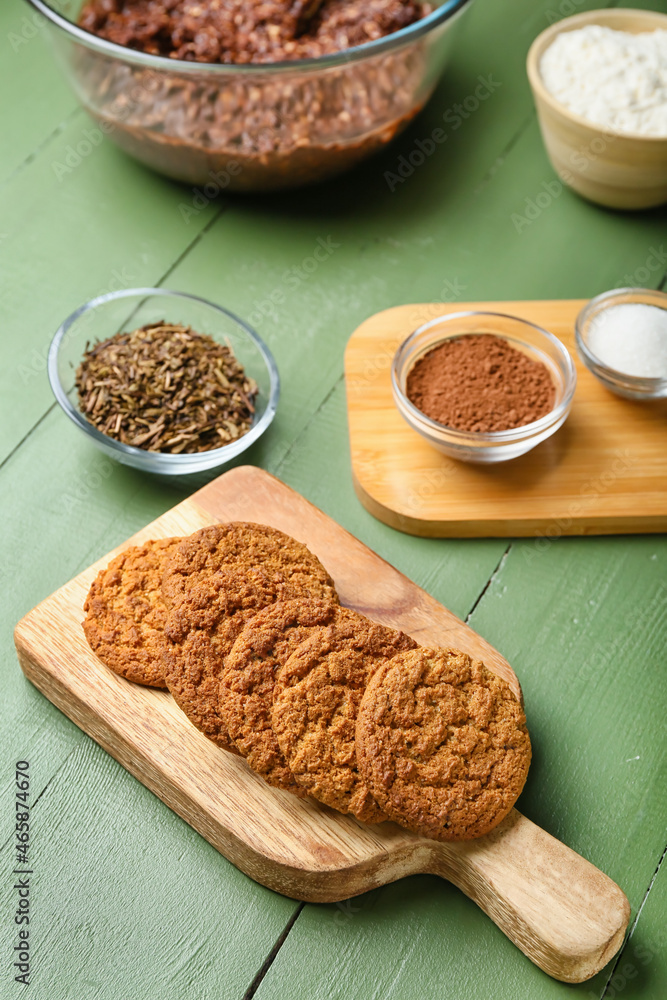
(163, 381)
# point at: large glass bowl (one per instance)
(134, 307)
(477, 446)
(254, 127)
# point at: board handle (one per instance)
(562, 912)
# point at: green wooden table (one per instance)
(128, 901)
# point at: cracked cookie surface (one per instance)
(442, 743)
(195, 654)
(315, 702)
(217, 580)
(243, 544)
(246, 688)
(125, 614)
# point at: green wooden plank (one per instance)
(416, 938)
(641, 970)
(591, 665)
(107, 223)
(584, 622)
(128, 901)
(41, 100)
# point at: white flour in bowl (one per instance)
(612, 78)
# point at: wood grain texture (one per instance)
(604, 472)
(28, 125)
(567, 916)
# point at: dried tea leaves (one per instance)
(166, 388)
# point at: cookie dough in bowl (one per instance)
(261, 104)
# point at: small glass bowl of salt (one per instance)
(621, 337)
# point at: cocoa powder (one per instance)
(479, 382)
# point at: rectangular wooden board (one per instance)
(603, 472)
(567, 916)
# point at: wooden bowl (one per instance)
(619, 170)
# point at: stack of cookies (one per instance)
(244, 627)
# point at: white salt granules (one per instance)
(631, 338)
(612, 78)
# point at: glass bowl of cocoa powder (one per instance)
(249, 108)
(163, 381)
(483, 387)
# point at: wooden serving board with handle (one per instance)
(562, 912)
(603, 472)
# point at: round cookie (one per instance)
(202, 627)
(243, 544)
(442, 743)
(315, 702)
(125, 615)
(246, 687)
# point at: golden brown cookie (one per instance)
(315, 702)
(207, 618)
(442, 743)
(125, 615)
(246, 688)
(194, 656)
(243, 544)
